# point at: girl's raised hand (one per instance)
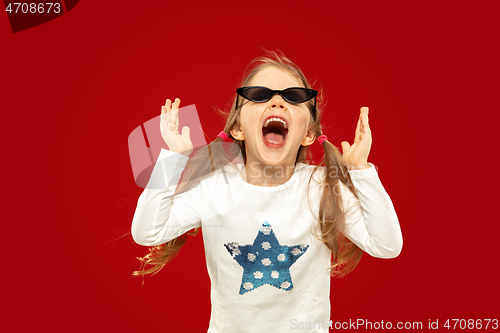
(169, 127)
(356, 156)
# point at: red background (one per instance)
(74, 88)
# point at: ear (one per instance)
(237, 133)
(309, 138)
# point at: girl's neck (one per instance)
(259, 174)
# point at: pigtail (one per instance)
(162, 254)
(202, 161)
(331, 218)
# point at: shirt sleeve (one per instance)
(371, 221)
(158, 217)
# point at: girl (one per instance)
(274, 227)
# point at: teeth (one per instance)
(275, 119)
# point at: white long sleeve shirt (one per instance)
(268, 272)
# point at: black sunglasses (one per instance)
(263, 94)
(293, 95)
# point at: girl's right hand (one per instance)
(169, 127)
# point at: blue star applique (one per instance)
(266, 261)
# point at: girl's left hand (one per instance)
(356, 156)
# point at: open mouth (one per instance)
(275, 132)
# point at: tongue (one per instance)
(274, 138)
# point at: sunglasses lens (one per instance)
(258, 94)
(297, 95)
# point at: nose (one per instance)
(277, 102)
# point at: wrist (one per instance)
(361, 166)
(183, 152)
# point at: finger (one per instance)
(186, 132)
(168, 105)
(365, 112)
(178, 108)
(358, 128)
(362, 117)
(162, 115)
(365, 125)
(174, 118)
(362, 122)
(175, 113)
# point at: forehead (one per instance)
(275, 78)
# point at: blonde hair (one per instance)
(331, 216)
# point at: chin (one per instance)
(277, 157)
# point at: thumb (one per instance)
(345, 145)
(185, 132)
